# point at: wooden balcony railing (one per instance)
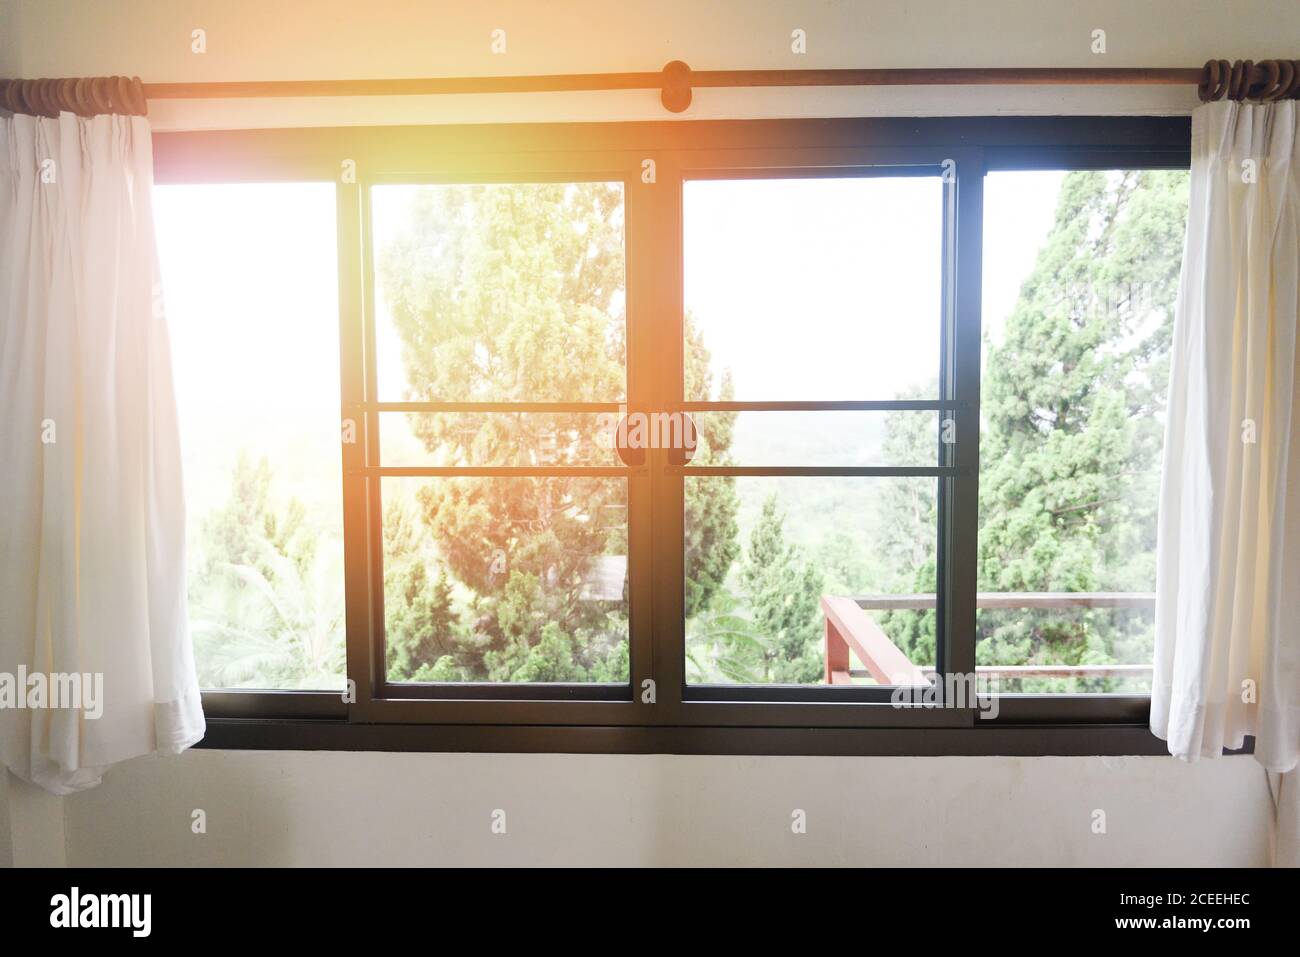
(851, 632)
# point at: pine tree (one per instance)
(1073, 402)
(514, 293)
(783, 592)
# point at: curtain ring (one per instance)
(138, 101)
(1214, 81)
(122, 95)
(1235, 86)
(32, 97)
(1209, 80)
(98, 95)
(129, 95)
(54, 96)
(1263, 80)
(1279, 78)
(81, 97)
(111, 94)
(46, 99)
(68, 95)
(104, 94)
(1293, 91)
(22, 94)
(14, 99)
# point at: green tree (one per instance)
(710, 502)
(907, 527)
(783, 592)
(423, 637)
(1073, 402)
(267, 606)
(515, 293)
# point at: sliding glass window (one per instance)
(1081, 271)
(672, 432)
(251, 301)
(812, 348)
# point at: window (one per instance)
(823, 292)
(776, 449)
(252, 309)
(1081, 274)
(509, 294)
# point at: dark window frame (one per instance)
(695, 719)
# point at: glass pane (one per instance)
(249, 279)
(813, 288)
(506, 579)
(764, 555)
(1080, 276)
(909, 438)
(517, 439)
(500, 292)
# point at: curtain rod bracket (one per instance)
(676, 93)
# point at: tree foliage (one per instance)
(1073, 404)
(515, 293)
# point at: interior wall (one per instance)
(327, 808)
(31, 825)
(341, 39)
(332, 808)
(6, 828)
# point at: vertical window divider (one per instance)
(644, 307)
(959, 503)
(374, 483)
(358, 584)
(663, 321)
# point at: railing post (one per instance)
(837, 652)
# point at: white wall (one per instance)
(320, 808)
(31, 825)
(327, 808)
(6, 828)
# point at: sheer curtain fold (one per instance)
(92, 562)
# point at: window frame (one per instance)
(682, 720)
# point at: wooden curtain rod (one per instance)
(1264, 81)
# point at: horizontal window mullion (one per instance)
(846, 405)
(792, 694)
(492, 407)
(879, 164)
(848, 471)
(272, 703)
(504, 170)
(488, 471)
(1065, 709)
(502, 691)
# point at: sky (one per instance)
(252, 314)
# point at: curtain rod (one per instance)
(1266, 80)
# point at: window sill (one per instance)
(993, 738)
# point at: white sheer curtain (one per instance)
(92, 563)
(1227, 660)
